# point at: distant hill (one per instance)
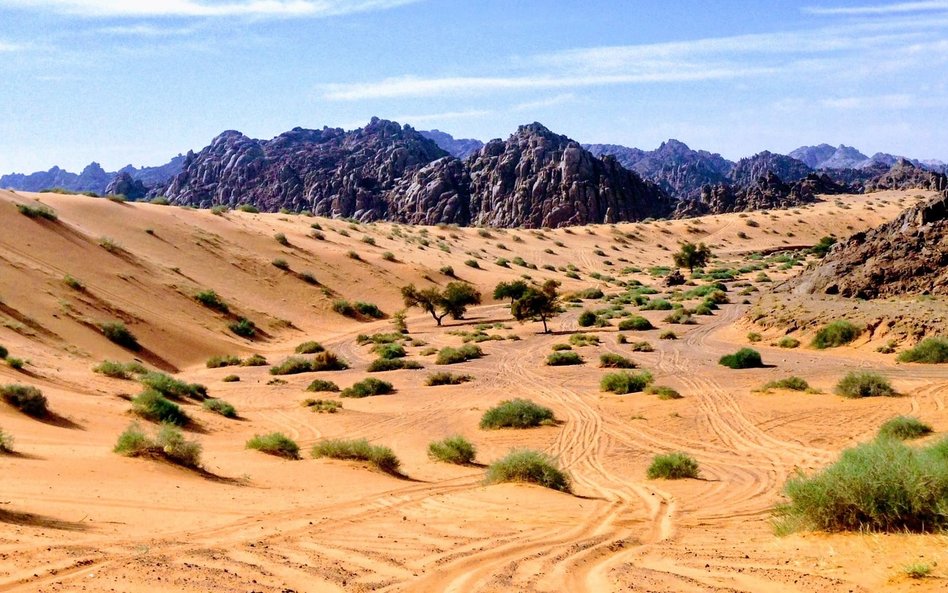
(458, 148)
(92, 179)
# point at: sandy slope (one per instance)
(75, 516)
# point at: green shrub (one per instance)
(615, 361)
(663, 392)
(446, 378)
(560, 347)
(380, 365)
(310, 347)
(928, 351)
(635, 323)
(917, 570)
(391, 350)
(320, 406)
(219, 406)
(368, 310)
(169, 444)
(255, 360)
(642, 347)
(73, 283)
(754, 337)
(745, 358)
(788, 342)
(790, 384)
(321, 385)
(586, 319)
(358, 450)
(133, 442)
(344, 307)
(25, 398)
(672, 466)
(38, 211)
(517, 413)
(219, 362)
(864, 384)
(275, 443)
(15, 363)
(230, 378)
(322, 361)
(118, 370)
(657, 305)
(248, 208)
(368, 387)
(119, 334)
(580, 340)
(882, 485)
(292, 366)
(281, 239)
(453, 449)
(624, 382)
(388, 256)
(171, 387)
(528, 466)
(449, 355)
(212, 300)
(280, 264)
(668, 335)
(904, 428)
(563, 358)
(243, 327)
(153, 406)
(837, 333)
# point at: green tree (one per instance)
(510, 290)
(534, 302)
(692, 256)
(453, 300)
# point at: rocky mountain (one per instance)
(626, 155)
(907, 256)
(459, 148)
(124, 184)
(767, 192)
(905, 175)
(747, 171)
(825, 156)
(92, 179)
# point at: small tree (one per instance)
(399, 321)
(453, 300)
(510, 290)
(692, 256)
(535, 302)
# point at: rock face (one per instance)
(438, 193)
(747, 171)
(457, 147)
(125, 185)
(908, 256)
(766, 193)
(905, 175)
(540, 179)
(825, 156)
(92, 179)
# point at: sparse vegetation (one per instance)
(37, 211)
(219, 406)
(663, 392)
(864, 384)
(837, 333)
(580, 340)
(255, 360)
(904, 428)
(275, 443)
(368, 387)
(169, 443)
(155, 407)
(321, 385)
(119, 334)
(615, 361)
(381, 457)
(321, 361)
(788, 342)
(531, 467)
(517, 413)
(446, 378)
(625, 382)
(673, 466)
(917, 570)
(119, 370)
(668, 335)
(928, 351)
(642, 347)
(454, 449)
(564, 358)
(449, 355)
(25, 398)
(212, 300)
(323, 406)
(221, 361)
(790, 384)
(6, 442)
(170, 387)
(309, 347)
(635, 323)
(745, 358)
(393, 364)
(243, 327)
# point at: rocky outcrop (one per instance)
(626, 155)
(457, 147)
(904, 175)
(907, 256)
(438, 193)
(92, 179)
(748, 171)
(125, 185)
(825, 156)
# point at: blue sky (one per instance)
(124, 81)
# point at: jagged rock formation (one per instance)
(627, 156)
(457, 147)
(825, 156)
(904, 175)
(747, 171)
(907, 256)
(769, 191)
(438, 193)
(125, 185)
(92, 179)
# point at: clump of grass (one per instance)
(449, 355)
(380, 365)
(837, 333)
(322, 406)
(635, 323)
(230, 378)
(517, 413)
(280, 264)
(281, 239)
(615, 361)
(390, 350)
(657, 305)
(219, 406)
(624, 382)
(309, 347)
(6, 442)
(275, 443)
(169, 443)
(564, 358)
(446, 378)
(454, 449)
(788, 342)
(790, 384)
(917, 570)
(25, 398)
(255, 360)
(119, 334)
(367, 388)
(15, 363)
(171, 387)
(745, 358)
(221, 361)
(586, 319)
(119, 370)
(560, 347)
(73, 283)
(580, 340)
(155, 407)
(864, 384)
(321, 386)
(663, 392)
(243, 327)
(904, 428)
(531, 467)
(882, 485)
(248, 208)
(673, 466)
(668, 335)
(322, 361)
(928, 351)
(642, 347)
(212, 300)
(381, 457)
(38, 211)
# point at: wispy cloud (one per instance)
(880, 9)
(894, 101)
(554, 101)
(446, 116)
(6, 46)
(144, 30)
(206, 8)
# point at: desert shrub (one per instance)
(381, 457)
(388, 256)
(624, 382)
(219, 406)
(668, 335)
(310, 347)
(255, 360)
(212, 300)
(642, 347)
(564, 358)
(528, 466)
(454, 449)
(243, 327)
(882, 485)
(580, 340)
(323, 406)
(169, 444)
(322, 361)
(133, 442)
(4, 352)
(754, 337)
(153, 406)
(615, 361)
(275, 443)
(390, 350)
(368, 387)
(680, 316)
(864, 384)
(517, 413)
(904, 428)
(171, 387)
(119, 370)
(672, 466)
(321, 385)
(344, 307)
(560, 347)
(662, 392)
(928, 351)
(380, 365)
(38, 211)
(657, 305)
(449, 355)
(353, 255)
(446, 378)
(281, 239)
(788, 342)
(230, 378)
(790, 384)
(745, 358)
(586, 319)
(15, 363)
(6, 442)
(917, 570)
(292, 366)
(280, 264)
(221, 361)
(73, 283)
(248, 208)
(635, 323)
(368, 310)
(119, 334)
(25, 398)
(836, 334)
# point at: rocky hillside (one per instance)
(457, 147)
(908, 256)
(92, 179)
(767, 192)
(905, 175)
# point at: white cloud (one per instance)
(894, 101)
(206, 8)
(446, 116)
(881, 9)
(10, 47)
(143, 30)
(544, 103)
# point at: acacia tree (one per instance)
(531, 302)
(453, 300)
(692, 256)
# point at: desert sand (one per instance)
(74, 516)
